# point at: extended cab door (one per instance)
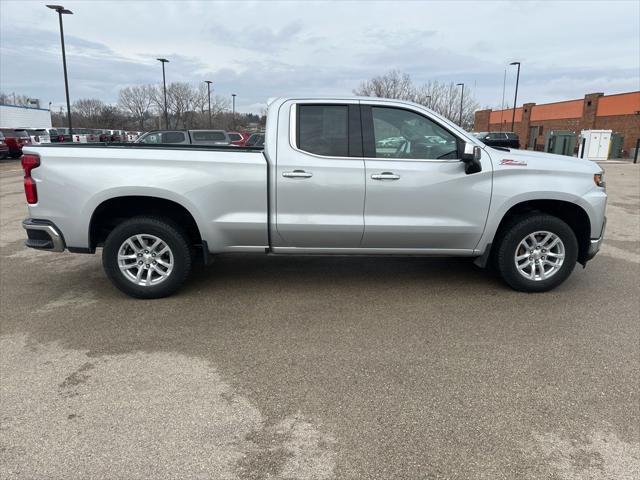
(418, 194)
(319, 174)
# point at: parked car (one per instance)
(499, 139)
(255, 140)
(15, 140)
(186, 137)
(63, 135)
(55, 135)
(4, 148)
(38, 135)
(238, 138)
(132, 136)
(533, 215)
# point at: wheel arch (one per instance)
(112, 211)
(572, 214)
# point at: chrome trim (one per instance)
(56, 237)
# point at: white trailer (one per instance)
(594, 145)
(13, 116)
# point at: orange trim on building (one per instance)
(497, 116)
(557, 111)
(623, 104)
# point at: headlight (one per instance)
(598, 179)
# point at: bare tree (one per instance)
(136, 101)
(19, 100)
(443, 98)
(393, 84)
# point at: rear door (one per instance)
(320, 186)
(418, 194)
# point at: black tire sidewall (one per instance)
(513, 235)
(170, 233)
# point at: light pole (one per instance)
(504, 84)
(63, 11)
(515, 98)
(164, 86)
(208, 82)
(461, 100)
(233, 114)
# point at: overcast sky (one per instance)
(265, 49)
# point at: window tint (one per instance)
(173, 137)
(209, 136)
(235, 137)
(403, 134)
(323, 129)
(513, 136)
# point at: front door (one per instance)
(320, 177)
(418, 194)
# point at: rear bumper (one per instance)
(43, 235)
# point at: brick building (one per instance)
(533, 123)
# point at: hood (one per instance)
(543, 160)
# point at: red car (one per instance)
(238, 138)
(15, 140)
(4, 150)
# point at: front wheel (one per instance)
(147, 257)
(537, 253)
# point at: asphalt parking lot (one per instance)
(319, 368)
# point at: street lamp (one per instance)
(233, 114)
(461, 100)
(164, 86)
(209, 82)
(515, 98)
(63, 11)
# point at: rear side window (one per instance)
(21, 133)
(323, 129)
(235, 137)
(513, 136)
(173, 137)
(209, 136)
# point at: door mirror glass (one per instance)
(471, 156)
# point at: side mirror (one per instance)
(471, 157)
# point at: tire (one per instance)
(163, 270)
(554, 263)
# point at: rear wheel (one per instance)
(147, 257)
(537, 253)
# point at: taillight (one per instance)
(29, 162)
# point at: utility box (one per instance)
(560, 142)
(594, 144)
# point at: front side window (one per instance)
(323, 129)
(151, 138)
(401, 134)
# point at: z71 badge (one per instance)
(513, 163)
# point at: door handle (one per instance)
(385, 176)
(297, 174)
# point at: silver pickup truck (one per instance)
(356, 176)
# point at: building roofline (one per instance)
(22, 106)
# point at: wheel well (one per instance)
(112, 212)
(570, 213)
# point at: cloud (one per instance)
(264, 49)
